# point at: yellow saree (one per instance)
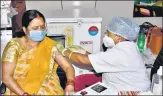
(35, 70)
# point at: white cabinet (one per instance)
(6, 35)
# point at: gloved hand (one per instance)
(60, 47)
(78, 49)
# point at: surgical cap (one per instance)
(124, 27)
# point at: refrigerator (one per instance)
(80, 27)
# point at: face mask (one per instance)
(37, 35)
(108, 42)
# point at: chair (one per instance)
(2, 88)
(62, 77)
(158, 62)
(86, 80)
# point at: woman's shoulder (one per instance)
(14, 42)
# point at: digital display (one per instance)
(98, 88)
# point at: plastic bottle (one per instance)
(147, 2)
(69, 33)
(141, 42)
(156, 86)
(136, 2)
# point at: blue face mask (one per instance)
(37, 35)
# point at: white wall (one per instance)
(44, 7)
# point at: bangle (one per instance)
(70, 55)
(25, 93)
(71, 82)
(64, 51)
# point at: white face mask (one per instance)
(108, 42)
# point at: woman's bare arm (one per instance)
(65, 65)
(7, 77)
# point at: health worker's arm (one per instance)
(78, 57)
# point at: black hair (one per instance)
(18, 34)
(104, 47)
(29, 15)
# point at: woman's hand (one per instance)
(69, 90)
